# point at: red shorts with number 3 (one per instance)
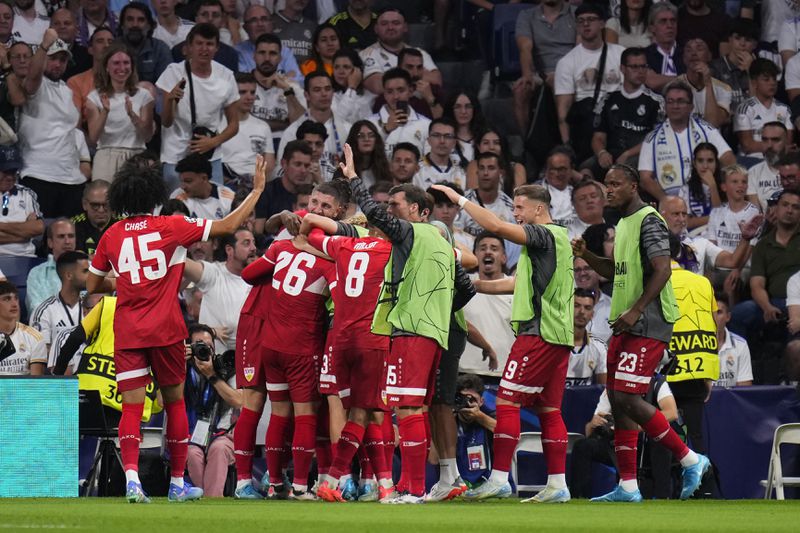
(535, 373)
(327, 372)
(632, 361)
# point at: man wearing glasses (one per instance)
(577, 97)
(665, 160)
(96, 216)
(437, 165)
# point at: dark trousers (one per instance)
(56, 199)
(584, 453)
(690, 396)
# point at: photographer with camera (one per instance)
(211, 398)
(476, 425)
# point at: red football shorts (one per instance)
(632, 361)
(360, 374)
(133, 366)
(535, 372)
(327, 371)
(410, 372)
(291, 376)
(249, 371)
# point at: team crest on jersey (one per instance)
(641, 110)
(384, 399)
(249, 372)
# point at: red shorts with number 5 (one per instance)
(133, 366)
(410, 372)
(632, 361)
(536, 372)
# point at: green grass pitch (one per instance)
(227, 515)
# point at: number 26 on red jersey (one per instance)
(147, 251)
(295, 279)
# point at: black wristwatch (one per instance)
(288, 92)
(213, 379)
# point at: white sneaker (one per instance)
(442, 492)
(550, 495)
(407, 499)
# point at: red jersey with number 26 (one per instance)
(296, 315)
(360, 264)
(148, 254)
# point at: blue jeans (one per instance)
(747, 318)
(173, 181)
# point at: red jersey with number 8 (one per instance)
(148, 254)
(296, 315)
(360, 264)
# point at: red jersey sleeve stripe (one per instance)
(206, 229)
(97, 272)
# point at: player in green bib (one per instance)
(643, 311)
(542, 316)
(423, 285)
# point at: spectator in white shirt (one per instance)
(588, 200)
(587, 279)
(734, 355)
(438, 165)
(46, 130)
(488, 314)
(350, 100)
(253, 138)
(404, 163)
(224, 290)
(559, 172)
(29, 26)
(319, 96)
(119, 113)
(20, 218)
(724, 222)
(170, 28)
(763, 179)
(30, 356)
(391, 29)
(203, 198)
(215, 95)
(760, 109)
(396, 121)
(587, 362)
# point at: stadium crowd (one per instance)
(698, 101)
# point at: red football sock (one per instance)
(177, 437)
(413, 452)
(130, 434)
(554, 442)
(323, 447)
(428, 438)
(274, 447)
(387, 430)
(625, 441)
(303, 446)
(366, 467)
(345, 449)
(373, 446)
(506, 436)
(244, 443)
(659, 430)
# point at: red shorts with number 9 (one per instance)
(536, 372)
(632, 361)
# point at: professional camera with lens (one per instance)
(463, 401)
(224, 363)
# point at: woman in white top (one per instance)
(630, 29)
(119, 113)
(350, 101)
(514, 174)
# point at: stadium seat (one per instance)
(784, 434)
(504, 43)
(16, 268)
(531, 442)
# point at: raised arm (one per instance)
(397, 230)
(485, 218)
(237, 217)
(193, 270)
(33, 80)
(311, 221)
(496, 286)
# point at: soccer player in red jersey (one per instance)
(292, 340)
(147, 253)
(359, 353)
